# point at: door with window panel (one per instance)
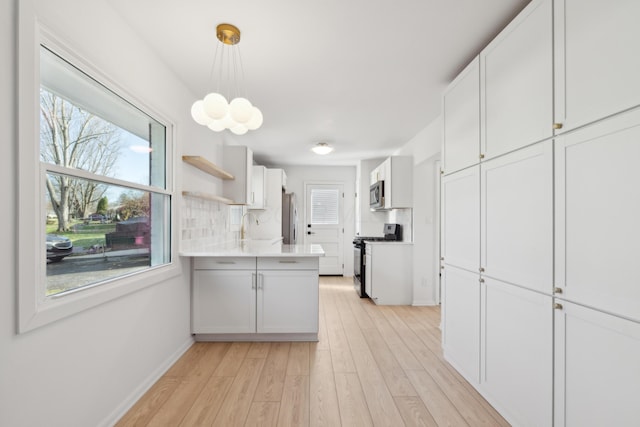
(324, 224)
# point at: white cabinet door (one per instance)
(517, 217)
(374, 176)
(258, 188)
(398, 182)
(461, 219)
(224, 301)
(287, 301)
(597, 61)
(517, 82)
(390, 286)
(597, 368)
(461, 321)
(598, 215)
(461, 120)
(517, 345)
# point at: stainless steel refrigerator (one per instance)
(289, 219)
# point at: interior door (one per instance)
(324, 224)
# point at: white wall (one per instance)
(369, 223)
(85, 369)
(425, 149)
(296, 178)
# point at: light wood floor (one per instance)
(373, 365)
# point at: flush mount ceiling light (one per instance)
(322, 148)
(214, 111)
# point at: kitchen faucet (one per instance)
(242, 231)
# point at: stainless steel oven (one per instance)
(358, 282)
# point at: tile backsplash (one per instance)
(203, 219)
(403, 217)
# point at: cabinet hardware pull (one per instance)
(481, 269)
(557, 306)
(557, 125)
(557, 290)
(481, 156)
(226, 262)
(481, 280)
(287, 262)
(253, 280)
(442, 267)
(442, 258)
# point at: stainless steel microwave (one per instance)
(376, 195)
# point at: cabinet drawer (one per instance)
(290, 263)
(224, 263)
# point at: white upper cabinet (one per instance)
(597, 60)
(461, 219)
(238, 160)
(517, 217)
(398, 182)
(258, 188)
(461, 120)
(598, 215)
(396, 172)
(517, 82)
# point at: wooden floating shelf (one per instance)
(207, 196)
(208, 167)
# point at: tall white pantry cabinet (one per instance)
(541, 216)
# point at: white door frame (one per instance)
(306, 220)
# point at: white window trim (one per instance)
(34, 309)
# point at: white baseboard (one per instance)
(139, 391)
(423, 303)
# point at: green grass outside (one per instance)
(84, 235)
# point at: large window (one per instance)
(103, 162)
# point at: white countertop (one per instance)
(250, 248)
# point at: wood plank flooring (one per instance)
(372, 366)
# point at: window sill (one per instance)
(37, 314)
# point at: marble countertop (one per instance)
(249, 248)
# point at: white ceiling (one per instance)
(364, 75)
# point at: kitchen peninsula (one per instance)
(254, 290)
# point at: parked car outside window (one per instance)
(97, 217)
(58, 247)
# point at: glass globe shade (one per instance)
(322, 148)
(228, 122)
(198, 114)
(216, 125)
(256, 119)
(240, 109)
(215, 105)
(239, 129)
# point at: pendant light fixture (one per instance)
(215, 111)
